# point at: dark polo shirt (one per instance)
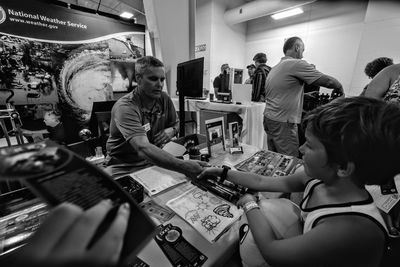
(129, 119)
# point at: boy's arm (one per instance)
(291, 183)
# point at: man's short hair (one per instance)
(224, 66)
(289, 43)
(144, 63)
(251, 66)
(260, 58)
(360, 130)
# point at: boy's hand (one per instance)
(213, 171)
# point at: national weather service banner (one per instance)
(64, 59)
(46, 22)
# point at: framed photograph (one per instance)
(234, 130)
(215, 133)
(234, 133)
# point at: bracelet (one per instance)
(251, 205)
(224, 174)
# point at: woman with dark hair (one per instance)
(386, 84)
(374, 67)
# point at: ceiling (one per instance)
(114, 7)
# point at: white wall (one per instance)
(380, 38)
(340, 37)
(203, 36)
(331, 33)
(168, 23)
(225, 44)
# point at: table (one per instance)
(251, 113)
(219, 252)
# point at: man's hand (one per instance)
(164, 136)
(192, 168)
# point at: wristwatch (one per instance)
(224, 174)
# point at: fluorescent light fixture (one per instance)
(126, 15)
(287, 13)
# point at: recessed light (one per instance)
(287, 13)
(126, 15)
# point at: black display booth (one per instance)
(189, 83)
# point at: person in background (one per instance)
(56, 129)
(260, 75)
(284, 96)
(386, 85)
(63, 238)
(337, 215)
(221, 82)
(142, 122)
(311, 93)
(374, 67)
(250, 70)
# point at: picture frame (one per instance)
(215, 133)
(234, 131)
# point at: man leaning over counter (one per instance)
(142, 122)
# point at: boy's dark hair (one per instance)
(376, 65)
(360, 130)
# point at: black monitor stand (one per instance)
(181, 114)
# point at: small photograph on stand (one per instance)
(234, 134)
(215, 135)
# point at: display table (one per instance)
(220, 251)
(251, 113)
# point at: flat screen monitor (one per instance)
(101, 106)
(189, 80)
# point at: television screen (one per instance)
(189, 80)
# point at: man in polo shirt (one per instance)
(284, 96)
(142, 122)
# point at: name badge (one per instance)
(147, 127)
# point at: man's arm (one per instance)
(162, 158)
(328, 82)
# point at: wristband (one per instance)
(224, 174)
(251, 205)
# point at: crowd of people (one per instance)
(350, 142)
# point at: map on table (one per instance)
(210, 215)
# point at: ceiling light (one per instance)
(126, 15)
(287, 13)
